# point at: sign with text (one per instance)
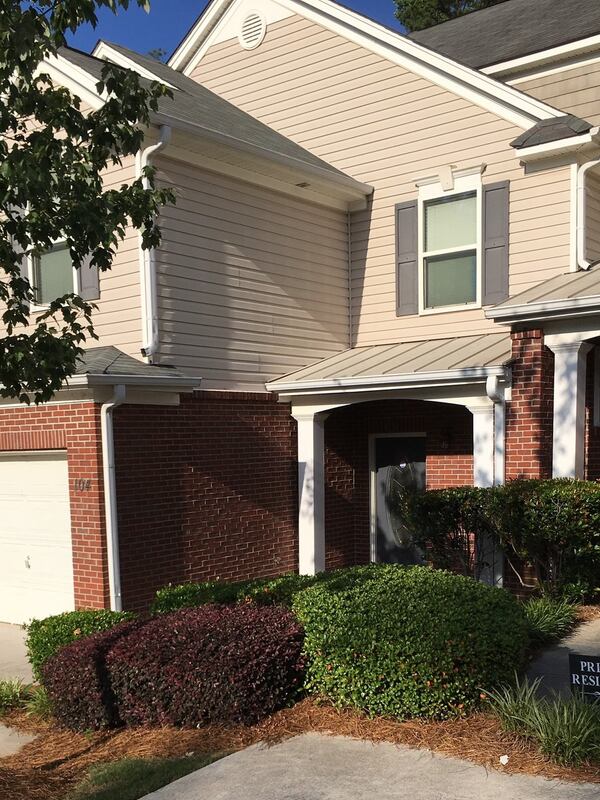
(585, 675)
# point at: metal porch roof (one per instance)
(402, 362)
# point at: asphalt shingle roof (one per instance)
(195, 104)
(512, 29)
(112, 361)
(551, 130)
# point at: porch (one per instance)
(430, 412)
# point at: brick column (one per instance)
(529, 414)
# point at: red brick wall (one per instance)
(529, 414)
(73, 427)
(449, 446)
(205, 490)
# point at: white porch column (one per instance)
(483, 444)
(311, 491)
(568, 445)
(488, 455)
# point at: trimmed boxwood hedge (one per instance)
(222, 664)
(46, 636)
(78, 684)
(409, 642)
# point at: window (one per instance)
(450, 245)
(52, 274)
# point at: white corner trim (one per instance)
(107, 53)
(559, 53)
(474, 86)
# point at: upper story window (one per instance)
(452, 244)
(53, 274)
(449, 246)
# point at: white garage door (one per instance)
(36, 558)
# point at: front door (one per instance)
(397, 462)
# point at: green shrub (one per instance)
(264, 591)
(13, 694)
(46, 636)
(548, 619)
(554, 525)
(566, 729)
(408, 642)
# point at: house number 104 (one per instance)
(83, 484)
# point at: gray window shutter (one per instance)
(89, 281)
(495, 242)
(407, 248)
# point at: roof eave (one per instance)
(549, 310)
(414, 380)
(170, 383)
(575, 145)
(352, 189)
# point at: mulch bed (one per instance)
(49, 767)
(588, 613)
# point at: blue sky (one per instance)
(169, 20)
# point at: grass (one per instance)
(565, 729)
(38, 704)
(549, 620)
(133, 778)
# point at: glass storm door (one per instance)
(399, 461)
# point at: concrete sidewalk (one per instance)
(553, 664)
(314, 767)
(13, 656)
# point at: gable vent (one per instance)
(252, 31)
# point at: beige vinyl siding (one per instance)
(252, 284)
(576, 90)
(118, 317)
(388, 127)
(593, 216)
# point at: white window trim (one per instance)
(36, 307)
(434, 191)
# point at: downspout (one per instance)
(110, 496)
(582, 262)
(148, 259)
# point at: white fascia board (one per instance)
(158, 383)
(553, 54)
(449, 377)
(552, 309)
(74, 78)
(354, 189)
(107, 53)
(576, 145)
(482, 90)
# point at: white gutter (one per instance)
(413, 380)
(148, 260)
(582, 261)
(110, 496)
